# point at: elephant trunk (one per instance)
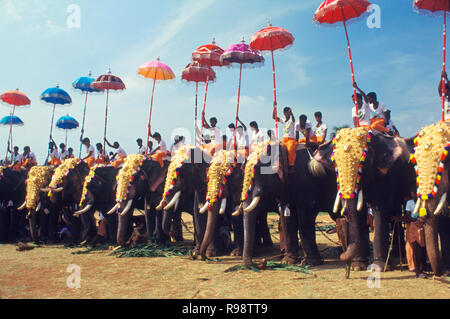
(124, 226)
(354, 231)
(210, 229)
(166, 217)
(249, 237)
(432, 246)
(32, 223)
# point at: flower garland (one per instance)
(249, 177)
(360, 168)
(87, 181)
(222, 158)
(179, 160)
(61, 172)
(124, 176)
(440, 169)
(37, 178)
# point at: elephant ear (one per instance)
(388, 150)
(323, 155)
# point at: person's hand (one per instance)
(275, 104)
(444, 74)
(355, 85)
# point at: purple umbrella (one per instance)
(239, 55)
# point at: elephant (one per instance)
(99, 195)
(185, 185)
(12, 194)
(65, 190)
(430, 148)
(373, 170)
(140, 186)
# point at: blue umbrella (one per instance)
(55, 96)
(16, 121)
(84, 85)
(67, 123)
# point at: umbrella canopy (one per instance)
(194, 72)
(155, 70)
(56, 96)
(436, 7)
(67, 123)
(272, 39)
(15, 98)
(208, 54)
(335, 11)
(241, 54)
(11, 120)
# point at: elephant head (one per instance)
(135, 180)
(370, 168)
(221, 171)
(186, 175)
(430, 152)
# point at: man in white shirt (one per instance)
(447, 93)
(363, 112)
(321, 129)
(119, 156)
(90, 152)
(159, 154)
(141, 147)
(242, 139)
(375, 111)
(177, 144)
(257, 135)
(213, 131)
(305, 128)
(64, 154)
(289, 140)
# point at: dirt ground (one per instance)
(42, 273)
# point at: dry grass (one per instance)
(41, 273)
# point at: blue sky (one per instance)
(401, 61)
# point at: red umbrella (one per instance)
(333, 11)
(209, 55)
(272, 39)
(196, 73)
(108, 82)
(436, 6)
(14, 99)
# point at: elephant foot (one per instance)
(236, 253)
(311, 262)
(211, 253)
(381, 264)
(350, 253)
(358, 266)
(288, 260)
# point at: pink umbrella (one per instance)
(155, 70)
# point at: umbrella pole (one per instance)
(355, 100)
(106, 121)
(237, 109)
(150, 117)
(66, 138)
(10, 134)
(195, 116)
(443, 65)
(51, 128)
(204, 109)
(82, 127)
(274, 91)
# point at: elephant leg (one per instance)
(381, 237)
(52, 226)
(4, 222)
(89, 228)
(238, 228)
(177, 227)
(200, 221)
(432, 246)
(13, 231)
(32, 223)
(150, 223)
(265, 230)
(161, 237)
(112, 228)
(444, 236)
(306, 221)
(249, 237)
(290, 226)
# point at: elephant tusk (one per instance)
(127, 208)
(416, 209)
(174, 201)
(45, 190)
(82, 211)
(238, 212)
(113, 210)
(161, 205)
(253, 205)
(360, 205)
(39, 206)
(337, 203)
(441, 204)
(204, 208)
(23, 206)
(223, 206)
(57, 190)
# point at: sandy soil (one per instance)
(42, 273)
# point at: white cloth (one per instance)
(142, 149)
(162, 146)
(55, 154)
(447, 110)
(242, 139)
(410, 206)
(30, 156)
(216, 136)
(257, 137)
(64, 155)
(289, 128)
(307, 129)
(121, 152)
(90, 151)
(175, 147)
(17, 158)
(320, 130)
(379, 112)
(364, 114)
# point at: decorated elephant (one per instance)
(12, 194)
(372, 170)
(99, 195)
(185, 185)
(139, 184)
(430, 156)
